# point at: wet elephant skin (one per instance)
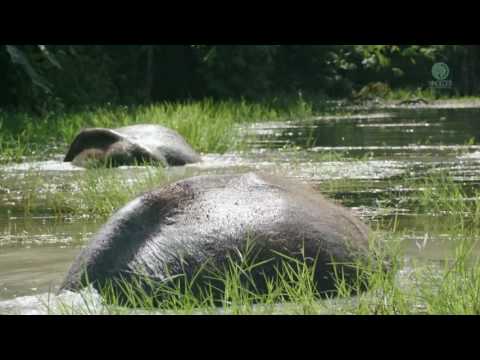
(131, 145)
(207, 220)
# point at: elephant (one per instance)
(130, 145)
(176, 229)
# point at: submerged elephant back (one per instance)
(161, 142)
(131, 145)
(179, 228)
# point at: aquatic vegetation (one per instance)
(429, 192)
(413, 286)
(11, 149)
(421, 289)
(453, 288)
(208, 125)
(94, 193)
(291, 289)
(441, 194)
(408, 287)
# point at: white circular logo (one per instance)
(440, 71)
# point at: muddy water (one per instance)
(362, 161)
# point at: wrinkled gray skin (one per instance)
(184, 225)
(131, 145)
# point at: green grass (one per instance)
(411, 286)
(454, 286)
(209, 126)
(94, 193)
(231, 290)
(98, 192)
(440, 194)
(451, 288)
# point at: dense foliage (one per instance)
(38, 77)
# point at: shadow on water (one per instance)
(368, 162)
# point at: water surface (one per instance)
(365, 162)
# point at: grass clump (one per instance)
(247, 283)
(94, 193)
(384, 283)
(453, 288)
(208, 125)
(440, 195)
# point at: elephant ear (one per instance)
(97, 138)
